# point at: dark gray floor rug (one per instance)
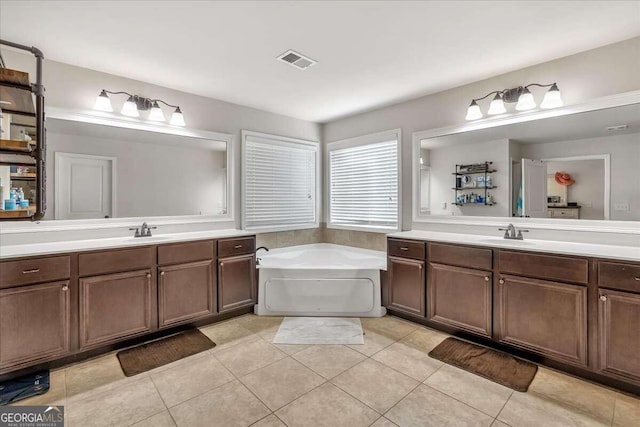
(493, 365)
(151, 355)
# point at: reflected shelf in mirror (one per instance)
(580, 140)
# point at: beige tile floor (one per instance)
(388, 381)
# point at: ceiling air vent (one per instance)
(297, 60)
(617, 128)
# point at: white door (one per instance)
(84, 186)
(534, 188)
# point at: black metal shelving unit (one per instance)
(473, 169)
(26, 155)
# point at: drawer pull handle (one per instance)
(65, 288)
(502, 281)
(162, 273)
(237, 246)
(603, 297)
(33, 270)
(637, 279)
(486, 278)
(148, 275)
(221, 264)
(403, 248)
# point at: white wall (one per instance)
(599, 72)
(151, 180)
(443, 164)
(76, 88)
(625, 157)
(588, 189)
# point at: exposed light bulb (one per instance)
(497, 105)
(156, 114)
(129, 108)
(526, 101)
(177, 119)
(552, 99)
(103, 103)
(474, 112)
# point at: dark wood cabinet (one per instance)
(407, 285)
(236, 282)
(34, 324)
(116, 306)
(185, 292)
(59, 308)
(619, 334)
(548, 318)
(460, 297)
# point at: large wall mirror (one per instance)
(101, 168)
(580, 166)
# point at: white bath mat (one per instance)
(319, 330)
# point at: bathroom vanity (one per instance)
(74, 303)
(571, 306)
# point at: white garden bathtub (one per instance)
(320, 280)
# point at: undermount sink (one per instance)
(147, 239)
(494, 240)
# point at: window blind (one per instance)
(363, 185)
(279, 183)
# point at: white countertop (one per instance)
(626, 253)
(61, 247)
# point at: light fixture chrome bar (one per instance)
(520, 95)
(136, 103)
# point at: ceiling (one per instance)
(369, 54)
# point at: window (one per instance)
(364, 181)
(280, 184)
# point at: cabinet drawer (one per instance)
(115, 261)
(564, 213)
(463, 256)
(35, 270)
(552, 267)
(619, 276)
(236, 246)
(185, 252)
(407, 248)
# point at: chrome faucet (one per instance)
(143, 231)
(258, 260)
(511, 232)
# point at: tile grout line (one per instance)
(613, 413)
(503, 406)
(464, 403)
(199, 394)
(358, 399)
(468, 404)
(286, 404)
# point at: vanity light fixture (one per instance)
(135, 103)
(520, 95)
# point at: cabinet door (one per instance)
(115, 306)
(185, 292)
(619, 322)
(34, 323)
(545, 317)
(407, 286)
(460, 297)
(236, 282)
